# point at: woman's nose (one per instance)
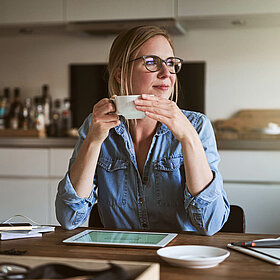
(163, 72)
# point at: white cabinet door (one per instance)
(85, 10)
(31, 11)
(210, 8)
(29, 197)
(52, 195)
(260, 203)
(250, 166)
(59, 160)
(23, 162)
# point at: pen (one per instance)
(260, 243)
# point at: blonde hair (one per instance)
(125, 48)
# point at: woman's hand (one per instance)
(167, 112)
(102, 120)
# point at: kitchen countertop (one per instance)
(9, 142)
(258, 145)
(50, 142)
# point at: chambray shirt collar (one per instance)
(161, 128)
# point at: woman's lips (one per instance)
(161, 87)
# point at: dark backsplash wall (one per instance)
(88, 84)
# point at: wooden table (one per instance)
(236, 266)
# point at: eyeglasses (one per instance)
(153, 63)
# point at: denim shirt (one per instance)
(159, 200)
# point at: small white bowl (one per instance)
(193, 256)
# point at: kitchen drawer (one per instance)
(250, 166)
(27, 197)
(24, 162)
(260, 203)
(59, 159)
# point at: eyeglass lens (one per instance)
(154, 63)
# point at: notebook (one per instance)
(271, 255)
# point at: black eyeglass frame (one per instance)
(161, 60)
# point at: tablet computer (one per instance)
(121, 238)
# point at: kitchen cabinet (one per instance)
(29, 179)
(88, 10)
(24, 162)
(25, 196)
(31, 11)
(210, 8)
(252, 180)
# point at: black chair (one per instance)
(94, 217)
(235, 223)
(236, 220)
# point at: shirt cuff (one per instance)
(207, 196)
(67, 193)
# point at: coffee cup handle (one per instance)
(113, 100)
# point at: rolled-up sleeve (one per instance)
(209, 209)
(72, 210)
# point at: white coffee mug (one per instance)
(125, 106)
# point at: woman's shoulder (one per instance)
(84, 128)
(195, 117)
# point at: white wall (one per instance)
(243, 65)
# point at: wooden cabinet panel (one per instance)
(84, 10)
(23, 162)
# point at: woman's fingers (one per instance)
(104, 106)
(157, 105)
(103, 110)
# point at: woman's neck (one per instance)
(142, 134)
(142, 129)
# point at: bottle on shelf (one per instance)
(2, 113)
(47, 104)
(15, 112)
(39, 114)
(56, 120)
(28, 120)
(66, 117)
(7, 106)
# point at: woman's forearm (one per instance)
(83, 169)
(198, 172)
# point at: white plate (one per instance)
(193, 256)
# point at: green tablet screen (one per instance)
(121, 237)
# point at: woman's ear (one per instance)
(118, 75)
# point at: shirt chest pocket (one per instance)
(112, 180)
(169, 180)
(171, 164)
(112, 165)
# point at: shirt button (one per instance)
(145, 179)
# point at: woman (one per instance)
(158, 173)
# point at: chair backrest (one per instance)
(94, 217)
(236, 221)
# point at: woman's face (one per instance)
(159, 83)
